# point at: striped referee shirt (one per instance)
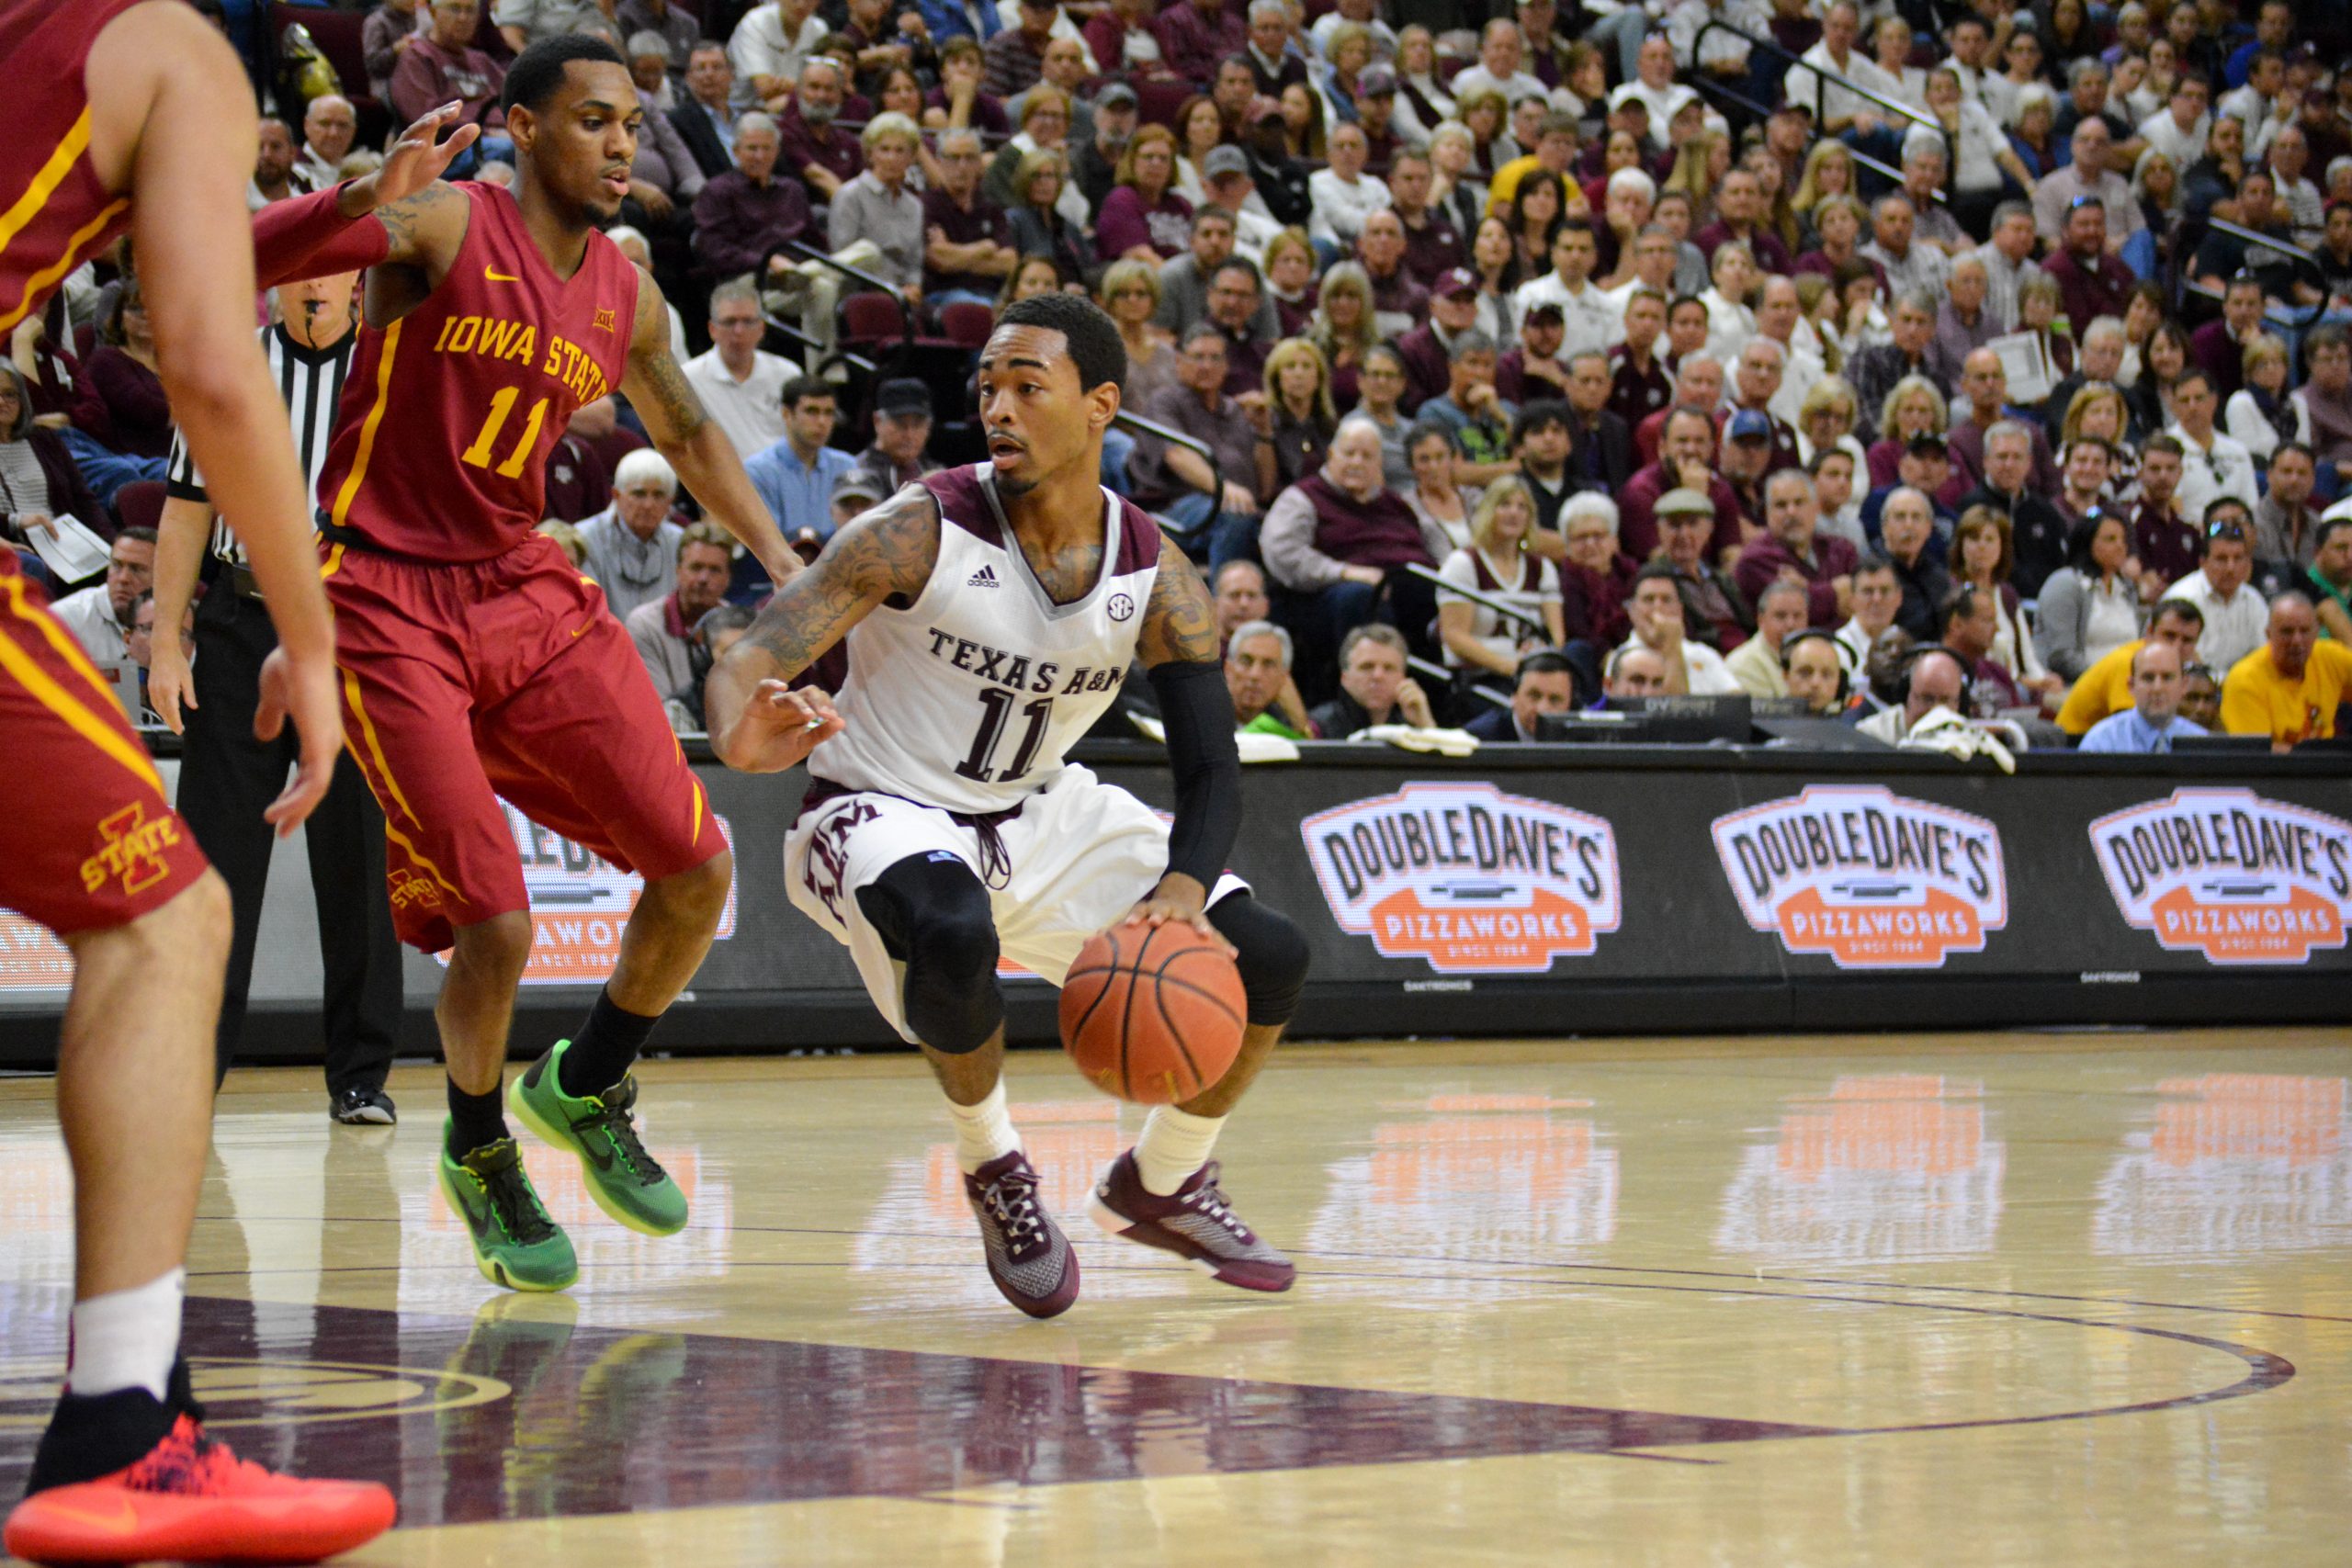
(311, 380)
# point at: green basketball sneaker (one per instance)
(626, 1182)
(515, 1243)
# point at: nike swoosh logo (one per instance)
(578, 629)
(495, 276)
(602, 1158)
(121, 1521)
(477, 1220)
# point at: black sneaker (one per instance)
(363, 1108)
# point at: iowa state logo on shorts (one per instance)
(1873, 879)
(2230, 875)
(1474, 881)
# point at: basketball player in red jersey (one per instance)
(136, 115)
(990, 613)
(476, 661)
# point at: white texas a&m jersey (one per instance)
(969, 698)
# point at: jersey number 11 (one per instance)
(999, 704)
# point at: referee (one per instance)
(227, 777)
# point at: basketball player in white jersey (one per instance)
(990, 614)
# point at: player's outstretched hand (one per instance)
(169, 683)
(780, 726)
(304, 692)
(422, 156)
(1183, 901)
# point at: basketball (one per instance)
(1152, 1014)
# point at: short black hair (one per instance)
(538, 71)
(1540, 414)
(801, 388)
(1095, 346)
(1543, 661)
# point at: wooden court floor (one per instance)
(1962, 1299)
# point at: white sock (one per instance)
(983, 1132)
(1174, 1144)
(127, 1339)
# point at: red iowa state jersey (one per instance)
(441, 445)
(54, 212)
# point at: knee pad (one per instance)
(1269, 952)
(933, 917)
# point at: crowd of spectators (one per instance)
(1888, 358)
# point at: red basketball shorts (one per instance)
(464, 682)
(87, 840)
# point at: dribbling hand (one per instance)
(304, 691)
(1183, 901)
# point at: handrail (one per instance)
(1821, 83)
(1760, 110)
(1509, 612)
(2268, 241)
(806, 252)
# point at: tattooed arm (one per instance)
(1179, 645)
(420, 222)
(757, 726)
(702, 453)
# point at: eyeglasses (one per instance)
(2226, 527)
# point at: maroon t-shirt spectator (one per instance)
(1125, 222)
(737, 222)
(123, 407)
(1761, 564)
(841, 156)
(428, 76)
(983, 221)
(2165, 543)
(1192, 43)
(1010, 64)
(1769, 254)
(1433, 249)
(987, 113)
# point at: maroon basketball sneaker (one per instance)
(1195, 1223)
(1029, 1257)
(190, 1497)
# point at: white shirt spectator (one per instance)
(1587, 319)
(1383, 37)
(2244, 421)
(1664, 102)
(1710, 676)
(749, 410)
(89, 616)
(2183, 147)
(2233, 628)
(1476, 78)
(1926, 266)
(1729, 326)
(1501, 637)
(2252, 110)
(630, 570)
(759, 48)
(1341, 206)
(2002, 282)
(1836, 103)
(1979, 140)
(2226, 468)
(1717, 48)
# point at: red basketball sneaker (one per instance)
(1029, 1257)
(1195, 1222)
(190, 1497)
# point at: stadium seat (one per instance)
(139, 503)
(966, 323)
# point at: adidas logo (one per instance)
(984, 578)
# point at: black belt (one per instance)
(242, 582)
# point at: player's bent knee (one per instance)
(501, 943)
(1271, 952)
(702, 888)
(192, 926)
(933, 917)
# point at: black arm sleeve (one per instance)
(1198, 712)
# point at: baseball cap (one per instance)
(1546, 310)
(1682, 500)
(857, 485)
(1631, 93)
(1116, 95)
(1456, 280)
(1926, 446)
(904, 396)
(1227, 159)
(1376, 82)
(1263, 109)
(1748, 425)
